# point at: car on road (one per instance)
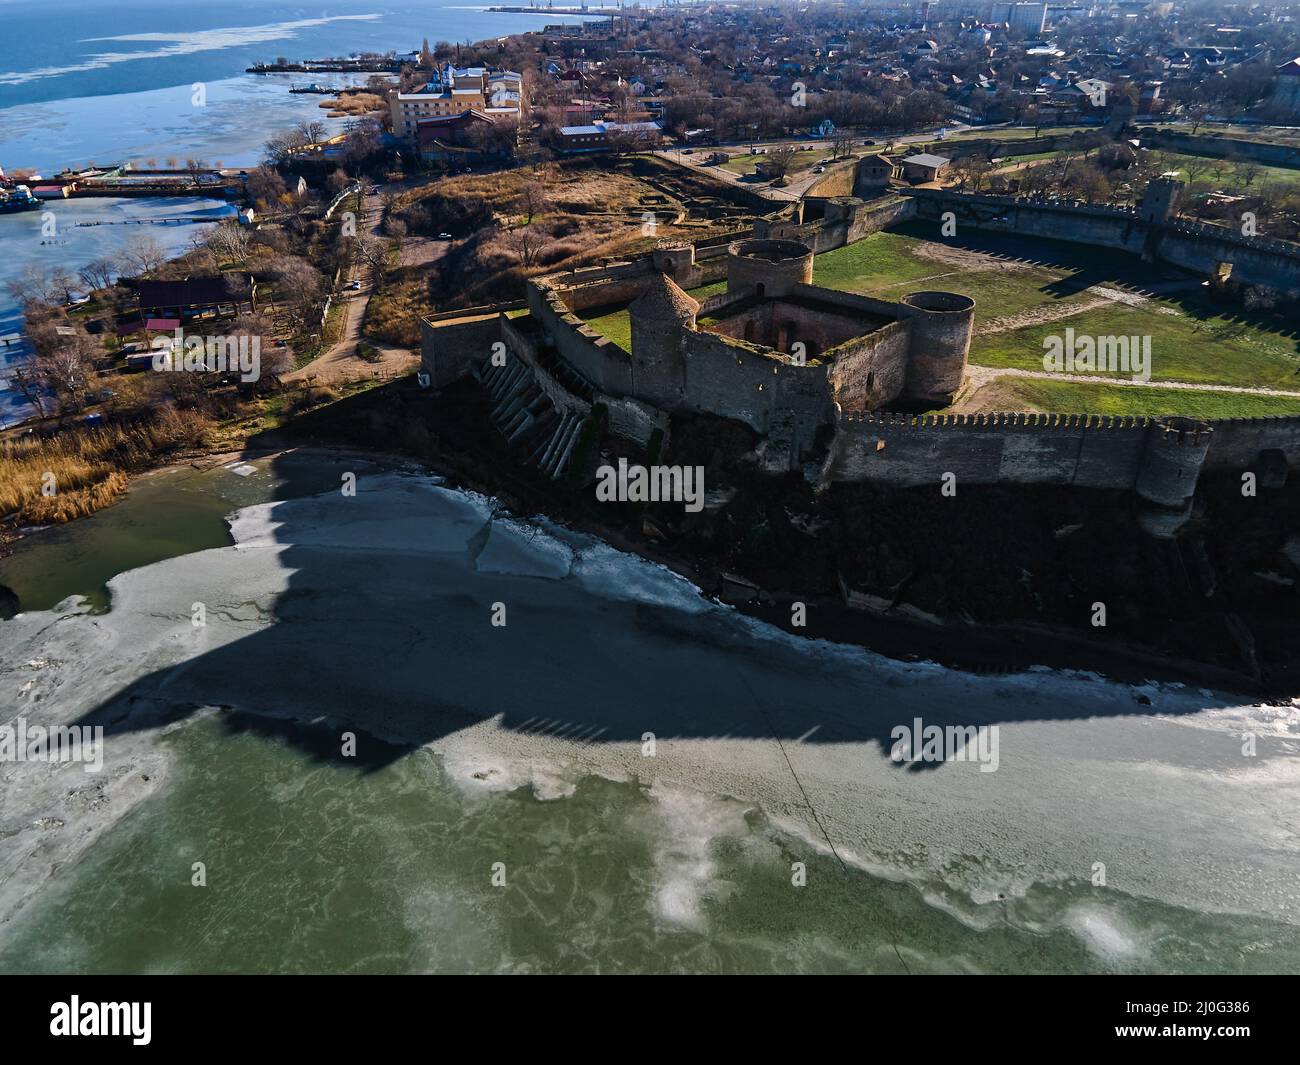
(819, 169)
(352, 286)
(445, 236)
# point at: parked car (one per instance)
(352, 286)
(819, 169)
(445, 236)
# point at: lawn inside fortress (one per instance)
(1028, 291)
(648, 767)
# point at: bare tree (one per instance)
(779, 160)
(312, 131)
(31, 387)
(32, 285)
(526, 242)
(230, 242)
(533, 199)
(373, 251)
(144, 254)
(101, 273)
(300, 285)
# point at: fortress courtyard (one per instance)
(1208, 358)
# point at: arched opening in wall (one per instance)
(871, 381)
(760, 290)
(749, 331)
(785, 335)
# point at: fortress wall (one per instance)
(852, 302)
(1112, 231)
(1237, 442)
(635, 421)
(1195, 246)
(837, 181)
(735, 380)
(449, 350)
(605, 292)
(1219, 147)
(820, 327)
(781, 323)
(849, 225)
(870, 370)
(876, 215)
(1200, 249)
(602, 362)
(561, 398)
(1082, 223)
(1085, 450)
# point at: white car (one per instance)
(445, 236)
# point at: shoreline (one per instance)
(900, 636)
(741, 709)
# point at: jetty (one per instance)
(367, 64)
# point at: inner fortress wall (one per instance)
(844, 220)
(781, 323)
(733, 380)
(870, 370)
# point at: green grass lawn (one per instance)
(614, 323)
(1191, 340)
(890, 265)
(1067, 397)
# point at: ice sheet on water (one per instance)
(522, 549)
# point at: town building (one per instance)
(604, 136)
(923, 168)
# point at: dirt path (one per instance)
(341, 362)
(1101, 295)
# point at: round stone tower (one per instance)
(660, 316)
(766, 268)
(673, 257)
(1167, 476)
(941, 326)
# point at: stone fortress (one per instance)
(809, 369)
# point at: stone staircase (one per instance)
(526, 417)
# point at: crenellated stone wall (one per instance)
(1159, 458)
(1196, 246)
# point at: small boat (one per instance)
(19, 198)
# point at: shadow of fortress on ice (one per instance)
(385, 628)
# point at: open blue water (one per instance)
(88, 81)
